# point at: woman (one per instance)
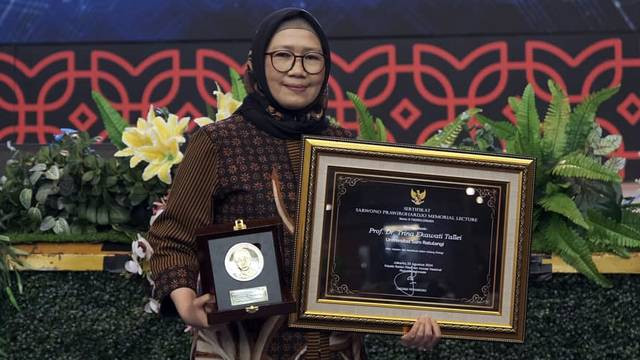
(228, 172)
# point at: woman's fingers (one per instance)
(424, 334)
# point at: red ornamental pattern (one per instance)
(49, 85)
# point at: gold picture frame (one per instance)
(389, 232)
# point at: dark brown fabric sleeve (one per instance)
(174, 263)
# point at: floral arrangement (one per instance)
(156, 141)
(579, 209)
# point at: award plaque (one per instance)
(240, 265)
(387, 233)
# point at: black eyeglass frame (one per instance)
(295, 58)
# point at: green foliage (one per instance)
(582, 166)
(562, 204)
(501, 129)
(447, 136)
(582, 120)
(9, 260)
(113, 122)
(66, 187)
(570, 245)
(555, 122)
(528, 125)
(370, 128)
(578, 199)
(238, 90)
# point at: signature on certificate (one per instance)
(410, 280)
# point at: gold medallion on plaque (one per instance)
(244, 261)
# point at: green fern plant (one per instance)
(370, 127)
(578, 203)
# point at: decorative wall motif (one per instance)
(416, 87)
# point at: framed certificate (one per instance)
(387, 233)
(240, 264)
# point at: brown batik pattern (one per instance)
(244, 191)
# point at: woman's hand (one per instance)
(424, 334)
(193, 309)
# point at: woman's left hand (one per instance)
(424, 334)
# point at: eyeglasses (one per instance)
(284, 60)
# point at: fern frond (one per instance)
(582, 119)
(514, 103)
(573, 249)
(238, 91)
(112, 120)
(564, 205)
(617, 233)
(448, 135)
(503, 129)
(555, 122)
(630, 218)
(370, 128)
(582, 166)
(602, 245)
(528, 123)
(381, 130)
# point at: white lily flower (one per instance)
(133, 267)
(141, 249)
(155, 216)
(202, 121)
(152, 307)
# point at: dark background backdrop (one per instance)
(415, 63)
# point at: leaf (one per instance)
(579, 165)
(572, 249)
(382, 131)
(615, 163)
(102, 216)
(48, 223)
(448, 135)
(564, 205)
(25, 198)
(35, 176)
(606, 145)
(555, 122)
(582, 119)
(12, 299)
(91, 162)
(618, 233)
(514, 103)
(113, 122)
(91, 214)
(238, 90)
(369, 128)
(53, 173)
(87, 176)
(34, 214)
(528, 124)
(630, 218)
(61, 226)
(38, 167)
(503, 129)
(118, 215)
(604, 197)
(43, 192)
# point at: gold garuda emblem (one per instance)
(417, 196)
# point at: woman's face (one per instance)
(296, 88)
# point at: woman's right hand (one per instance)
(193, 309)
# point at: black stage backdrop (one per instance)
(416, 64)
